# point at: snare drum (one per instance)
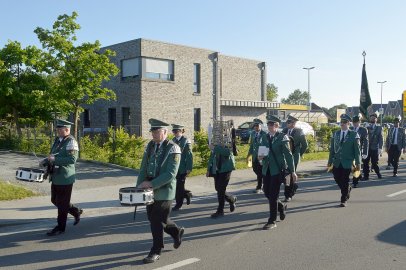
(29, 174)
(132, 196)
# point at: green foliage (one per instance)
(324, 135)
(271, 92)
(80, 69)
(311, 144)
(92, 149)
(333, 110)
(298, 97)
(13, 192)
(201, 147)
(388, 119)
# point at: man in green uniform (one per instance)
(299, 148)
(275, 164)
(344, 152)
(61, 168)
(375, 140)
(255, 142)
(185, 166)
(363, 140)
(158, 171)
(221, 164)
(395, 144)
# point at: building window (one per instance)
(130, 68)
(112, 117)
(196, 78)
(125, 119)
(86, 118)
(159, 69)
(197, 120)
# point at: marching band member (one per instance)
(158, 171)
(363, 139)
(375, 145)
(185, 166)
(274, 164)
(255, 141)
(395, 144)
(344, 150)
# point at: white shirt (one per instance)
(341, 134)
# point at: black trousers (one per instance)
(181, 192)
(220, 183)
(393, 157)
(272, 187)
(257, 168)
(290, 190)
(374, 158)
(158, 216)
(342, 178)
(60, 197)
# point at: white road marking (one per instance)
(178, 264)
(396, 193)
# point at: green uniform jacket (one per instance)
(346, 152)
(221, 160)
(66, 154)
(255, 143)
(284, 158)
(161, 169)
(186, 159)
(300, 143)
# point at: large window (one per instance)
(130, 68)
(125, 116)
(196, 78)
(160, 69)
(197, 120)
(112, 117)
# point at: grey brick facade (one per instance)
(174, 101)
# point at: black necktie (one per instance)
(157, 148)
(342, 136)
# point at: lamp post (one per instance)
(381, 110)
(308, 92)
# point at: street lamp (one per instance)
(308, 92)
(381, 110)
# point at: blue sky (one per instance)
(288, 35)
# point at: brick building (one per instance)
(179, 84)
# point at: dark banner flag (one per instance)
(365, 98)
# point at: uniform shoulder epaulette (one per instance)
(72, 144)
(175, 149)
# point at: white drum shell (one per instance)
(135, 196)
(29, 174)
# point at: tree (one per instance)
(22, 86)
(271, 92)
(333, 110)
(80, 69)
(297, 97)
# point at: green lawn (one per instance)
(241, 162)
(13, 192)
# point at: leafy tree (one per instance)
(388, 119)
(22, 86)
(271, 92)
(80, 69)
(333, 110)
(298, 97)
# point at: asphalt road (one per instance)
(368, 234)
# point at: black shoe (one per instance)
(395, 174)
(287, 199)
(282, 212)
(217, 214)
(189, 195)
(178, 240)
(354, 185)
(258, 191)
(379, 176)
(232, 205)
(176, 208)
(366, 178)
(269, 226)
(55, 231)
(151, 258)
(388, 167)
(343, 204)
(77, 218)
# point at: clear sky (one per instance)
(288, 35)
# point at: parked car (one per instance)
(243, 131)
